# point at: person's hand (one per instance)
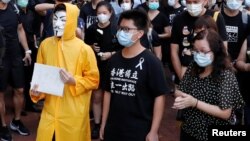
(34, 91)
(27, 59)
(101, 132)
(66, 77)
(95, 47)
(104, 55)
(152, 136)
(184, 100)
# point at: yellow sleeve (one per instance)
(90, 74)
(34, 98)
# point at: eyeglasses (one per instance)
(195, 52)
(126, 29)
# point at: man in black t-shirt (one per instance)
(237, 26)
(13, 67)
(135, 86)
(88, 13)
(182, 34)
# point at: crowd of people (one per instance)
(119, 59)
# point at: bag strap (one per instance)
(215, 16)
(150, 38)
(244, 17)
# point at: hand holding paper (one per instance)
(67, 78)
(34, 90)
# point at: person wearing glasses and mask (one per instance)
(182, 28)
(209, 93)
(135, 87)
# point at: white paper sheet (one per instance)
(48, 79)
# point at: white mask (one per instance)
(103, 18)
(59, 21)
(194, 9)
(247, 3)
(183, 2)
(233, 4)
(6, 1)
(126, 6)
(171, 2)
(211, 3)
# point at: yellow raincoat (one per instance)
(68, 116)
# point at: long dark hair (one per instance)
(221, 59)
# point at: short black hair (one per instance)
(60, 7)
(120, 2)
(106, 4)
(140, 18)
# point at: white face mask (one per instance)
(59, 21)
(194, 9)
(126, 6)
(211, 3)
(183, 2)
(171, 2)
(233, 4)
(247, 3)
(103, 18)
(6, 1)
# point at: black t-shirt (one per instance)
(28, 20)
(134, 83)
(155, 42)
(88, 14)
(171, 12)
(182, 32)
(159, 23)
(104, 37)
(10, 20)
(236, 33)
(106, 40)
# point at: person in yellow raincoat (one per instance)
(67, 118)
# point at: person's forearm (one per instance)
(177, 65)
(106, 104)
(44, 6)
(213, 110)
(243, 66)
(157, 113)
(158, 52)
(22, 38)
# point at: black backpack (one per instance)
(2, 45)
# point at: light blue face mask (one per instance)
(22, 3)
(153, 5)
(202, 60)
(125, 39)
(233, 4)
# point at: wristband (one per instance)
(196, 103)
(28, 51)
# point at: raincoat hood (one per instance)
(72, 13)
